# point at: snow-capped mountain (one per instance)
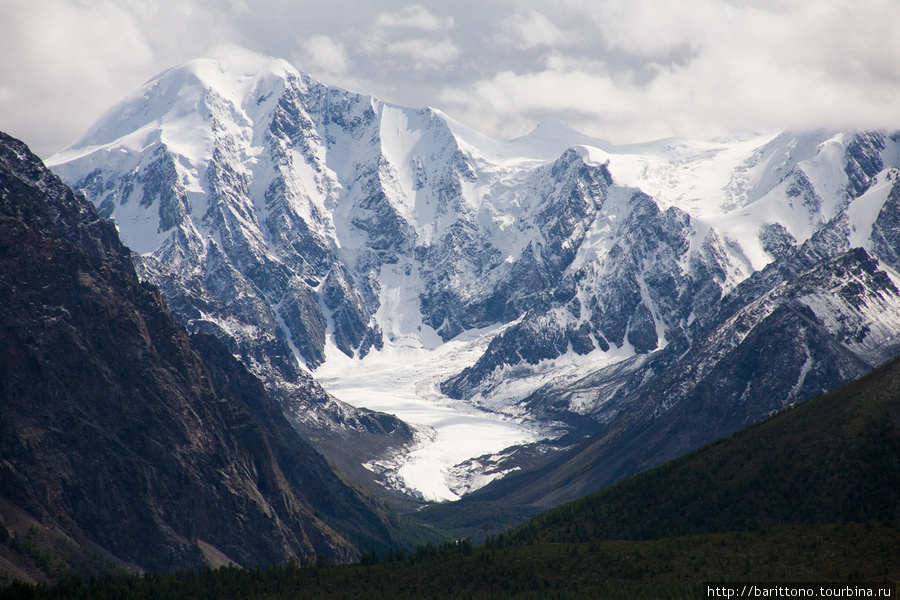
(558, 277)
(688, 268)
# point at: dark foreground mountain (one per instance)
(123, 442)
(810, 495)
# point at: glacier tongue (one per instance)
(404, 382)
(422, 269)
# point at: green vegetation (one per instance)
(811, 494)
(669, 568)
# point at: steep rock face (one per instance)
(641, 292)
(863, 161)
(806, 335)
(237, 255)
(124, 434)
(886, 229)
(468, 284)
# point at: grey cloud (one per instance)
(415, 16)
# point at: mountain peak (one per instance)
(182, 93)
(552, 137)
(233, 77)
(552, 127)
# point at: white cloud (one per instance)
(397, 41)
(49, 50)
(530, 29)
(65, 62)
(583, 100)
(749, 69)
(647, 28)
(323, 53)
(415, 16)
(423, 53)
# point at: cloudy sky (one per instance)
(623, 70)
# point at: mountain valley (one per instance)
(326, 309)
(544, 290)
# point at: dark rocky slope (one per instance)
(124, 442)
